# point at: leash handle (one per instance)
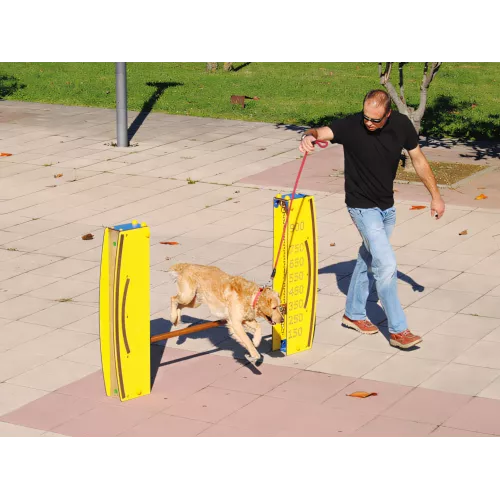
(321, 144)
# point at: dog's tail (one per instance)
(177, 269)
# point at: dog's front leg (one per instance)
(236, 326)
(257, 332)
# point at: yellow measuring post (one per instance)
(296, 278)
(124, 311)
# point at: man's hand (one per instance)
(312, 135)
(427, 177)
(306, 144)
(437, 207)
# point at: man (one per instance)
(372, 142)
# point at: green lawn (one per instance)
(464, 101)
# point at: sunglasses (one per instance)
(373, 120)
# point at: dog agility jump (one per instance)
(124, 312)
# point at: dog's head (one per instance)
(268, 306)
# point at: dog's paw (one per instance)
(256, 361)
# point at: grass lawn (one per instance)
(463, 98)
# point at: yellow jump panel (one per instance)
(124, 312)
(296, 278)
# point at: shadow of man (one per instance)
(375, 313)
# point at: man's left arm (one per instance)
(427, 177)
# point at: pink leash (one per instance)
(321, 144)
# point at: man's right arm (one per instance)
(314, 134)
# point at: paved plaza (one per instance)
(208, 184)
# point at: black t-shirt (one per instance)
(371, 158)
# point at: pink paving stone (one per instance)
(162, 425)
(211, 404)
(48, 412)
(311, 387)
(218, 430)
(393, 427)
(479, 415)
(263, 416)
(264, 379)
(311, 433)
(320, 420)
(427, 406)
(104, 420)
(449, 432)
(91, 387)
(183, 378)
(387, 395)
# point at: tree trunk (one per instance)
(415, 115)
(228, 66)
(212, 67)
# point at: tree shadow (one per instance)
(148, 105)
(241, 66)
(320, 122)
(375, 313)
(9, 85)
(445, 118)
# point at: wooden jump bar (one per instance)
(189, 329)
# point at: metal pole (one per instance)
(121, 105)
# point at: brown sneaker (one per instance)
(404, 340)
(360, 325)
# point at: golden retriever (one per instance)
(233, 298)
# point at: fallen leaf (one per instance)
(481, 197)
(417, 207)
(481, 187)
(5, 154)
(332, 244)
(57, 176)
(88, 236)
(169, 243)
(256, 98)
(463, 233)
(362, 394)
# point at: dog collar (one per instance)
(254, 303)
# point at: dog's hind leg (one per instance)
(186, 297)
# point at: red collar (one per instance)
(254, 303)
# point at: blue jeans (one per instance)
(375, 259)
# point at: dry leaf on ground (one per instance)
(88, 236)
(332, 244)
(57, 175)
(463, 233)
(481, 197)
(362, 394)
(417, 207)
(5, 154)
(168, 243)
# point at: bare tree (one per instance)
(212, 67)
(415, 115)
